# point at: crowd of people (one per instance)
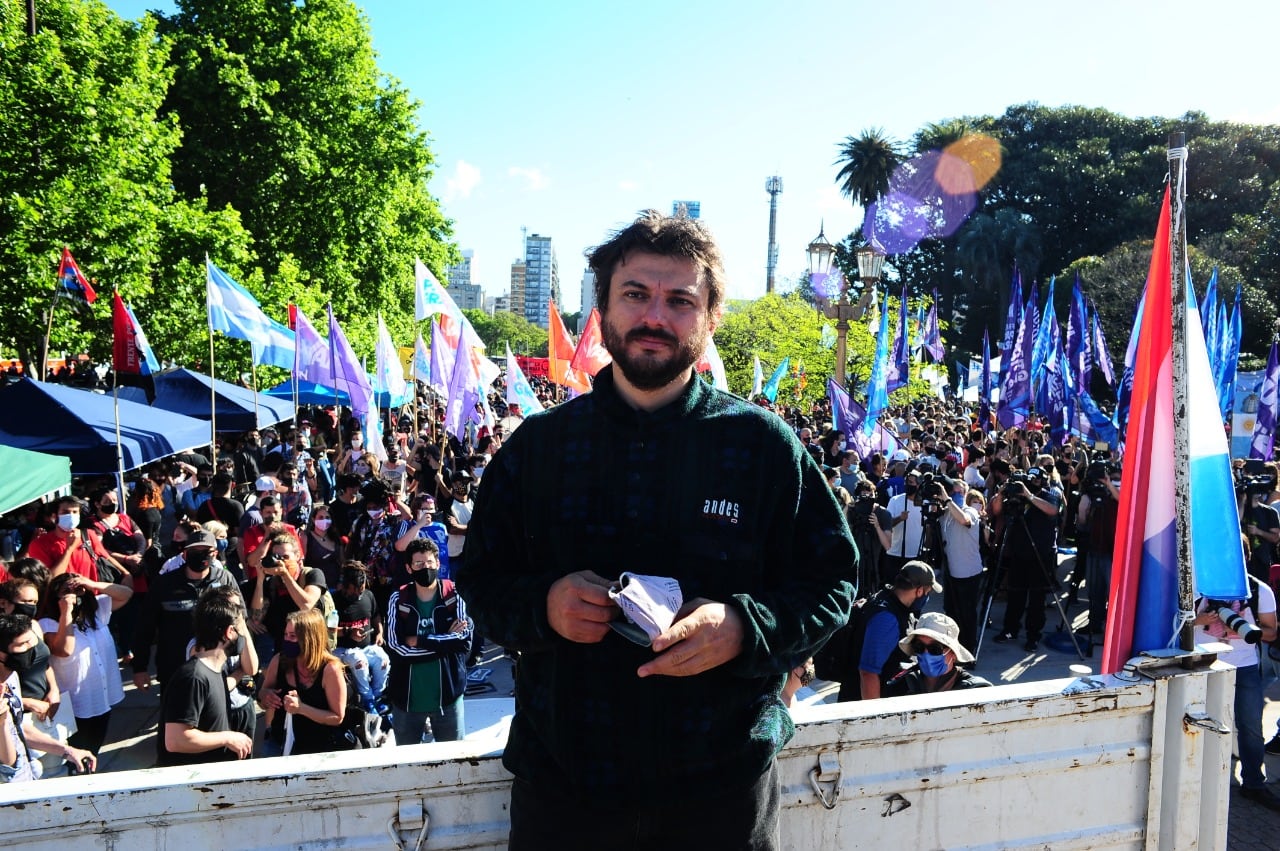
(287, 583)
(299, 576)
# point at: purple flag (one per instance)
(1264, 431)
(984, 388)
(348, 376)
(1078, 339)
(1101, 356)
(1015, 384)
(442, 356)
(840, 411)
(828, 285)
(1011, 322)
(312, 359)
(899, 361)
(932, 334)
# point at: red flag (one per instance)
(1144, 577)
(560, 353)
(131, 358)
(71, 279)
(591, 356)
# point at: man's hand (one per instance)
(579, 608)
(74, 540)
(705, 635)
(239, 744)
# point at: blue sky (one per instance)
(569, 117)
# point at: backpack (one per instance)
(330, 611)
(830, 660)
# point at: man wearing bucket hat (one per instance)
(935, 643)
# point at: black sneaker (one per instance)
(1273, 746)
(1263, 796)
(1004, 637)
(1031, 646)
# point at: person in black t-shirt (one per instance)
(346, 508)
(195, 723)
(283, 586)
(360, 635)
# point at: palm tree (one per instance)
(866, 163)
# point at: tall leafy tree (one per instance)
(867, 161)
(84, 163)
(287, 119)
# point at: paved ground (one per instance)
(1251, 827)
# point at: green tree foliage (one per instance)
(781, 326)
(84, 162)
(286, 118)
(505, 327)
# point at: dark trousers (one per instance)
(960, 602)
(746, 819)
(91, 733)
(1031, 602)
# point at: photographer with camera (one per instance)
(1244, 624)
(905, 510)
(282, 586)
(1028, 507)
(962, 581)
(1261, 523)
(870, 526)
(1096, 535)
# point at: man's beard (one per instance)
(652, 370)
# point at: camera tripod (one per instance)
(996, 575)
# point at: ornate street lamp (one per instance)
(870, 264)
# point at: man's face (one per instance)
(25, 595)
(269, 514)
(656, 325)
(806, 436)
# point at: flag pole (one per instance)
(253, 378)
(48, 333)
(213, 390)
(1181, 429)
(333, 370)
(115, 394)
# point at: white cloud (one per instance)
(534, 178)
(460, 184)
(628, 185)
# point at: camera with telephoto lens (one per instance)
(1254, 478)
(1232, 620)
(933, 497)
(860, 513)
(1095, 479)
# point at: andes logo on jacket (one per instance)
(720, 510)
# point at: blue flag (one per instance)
(984, 388)
(770, 389)
(877, 387)
(236, 313)
(1015, 383)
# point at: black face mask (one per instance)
(426, 577)
(910, 488)
(24, 609)
(108, 509)
(174, 547)
(22, 662)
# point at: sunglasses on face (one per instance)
(918, 647)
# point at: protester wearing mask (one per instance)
(304, 690)
(295, 496)
(458, 513)
(360, 635)
(19, 596)
(871, 655)
(65, 548)
(20, 739)
(195, 715)
(428, 636)
(935, 643)
(41, 694)
(325, 550)
(258, 537)
(165, 619)
(427, 524)
(908, 526)
(76, 624)
(197, 496)
(374, 536)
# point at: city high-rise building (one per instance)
(460, 273)
(541, 279)
(467, 295)
(515, 301)
(689, 209)
(588, 298)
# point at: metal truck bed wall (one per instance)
(1056, 764)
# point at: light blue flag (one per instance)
(388, 372)
(770, 389)
(235, 313)
(429, 297)
(421, 360)
(1217, 558)
(518, 390)
(878, 386)
(757, 377)
(1230, 358)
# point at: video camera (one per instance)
(1254, 478)
(933, 497)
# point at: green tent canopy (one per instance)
(29, 476)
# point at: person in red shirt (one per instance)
(257, 540)
(66, 548)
